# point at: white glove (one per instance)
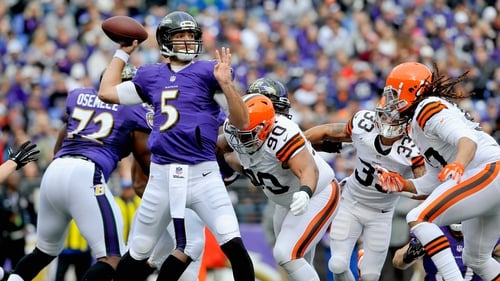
(299, 203)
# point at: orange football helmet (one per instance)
(261, 114)
(405, 83)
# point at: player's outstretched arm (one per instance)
(238, 112)
(7, 168)
(328, 137)
(331, 131)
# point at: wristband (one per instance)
(121, 55)
(307, 190)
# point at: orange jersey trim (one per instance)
(348, 128)
(290, 147)
(317, 223)
(417, 161)
(428, 111)
(463, 190)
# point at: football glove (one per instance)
(228, 180)
(228, 174)
(452, 171)
(415, 250)
(27, 152)
(390, 181)
(299, 204)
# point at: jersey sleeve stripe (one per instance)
(319, 222)
(417, 161)
(465, 189)
(290, 147)
(348, 128)
(428, 111)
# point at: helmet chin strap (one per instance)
(185, 57)
(177, 64)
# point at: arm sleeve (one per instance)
(452, 129)
(127, 93)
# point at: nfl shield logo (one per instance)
(178, 170)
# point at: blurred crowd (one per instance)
(332, 55)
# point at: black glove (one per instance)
(331, 146)
(415, 251)
(27, 152)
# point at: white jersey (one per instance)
(265, 167)
(362, 185)
(436, 128)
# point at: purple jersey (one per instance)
(101, 131)
(456, 245)
(186, 120)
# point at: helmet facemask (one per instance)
(245, 142)
(388, 118)
(282, 106)
(262, 116)
(181, 48)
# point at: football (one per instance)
(124, 30)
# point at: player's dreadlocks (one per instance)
(441, 86)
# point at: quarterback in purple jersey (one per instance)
(183, 93)
(97, 135)
(166, 244)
